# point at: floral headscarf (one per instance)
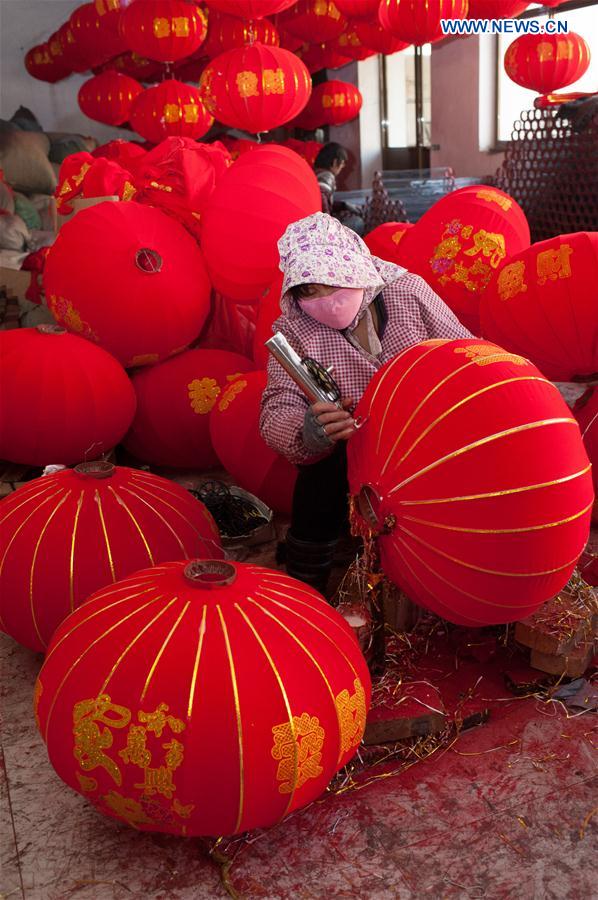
(319, 250)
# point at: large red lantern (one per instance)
(129, 278)
(251, 207)
(67, 535)
(255, 87)
(314, 20)
(164, 30)
(334, 103)
(170, 109)
(460, 244)
(109, 97)
(236, 438)
(373, 35)
(419, 23)
(384, 240)
(471, 471)
(586, 413)
(94, 42)
(547, 62)
(226, 32)
(62, 398)
(357, 9)
(250, 9)
(58, 55)
(171, 427)
(543, 306)
(202, 698)
(268, 312)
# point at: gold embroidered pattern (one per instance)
(37, 695)
(203, 394)
(236, 388)
(351, 713)
(128, 192)
(247, 84)
(190, 112)
(301, 743)
(273, 81)
(91, 740)
(545, 51)
(484, 354)
(490, 245)
(136, 751)
(126, 808)
(87, 784)
(476, 277)
(171, 113)
(564, 50)
(65, 312)
(511, 280)
(183, 811)
(158, 721)
(143, 359)
(553, 264)
(494, 197)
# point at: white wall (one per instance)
(24, 23)
(370, 138)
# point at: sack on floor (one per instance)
(24, 161)
(14, 234)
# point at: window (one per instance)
(400, 97)
(512, 99)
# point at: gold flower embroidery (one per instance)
(231, 392)
(484, 354)
(203, 394)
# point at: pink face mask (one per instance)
(337, 309)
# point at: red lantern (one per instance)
(496, 9)
(268, 312)
(372, 34)
(109, 97)
(314, 20)
(72, 533)
(72, 54)
(543, 306)
(459, 245)
(384, 240)
(165, 30)
(351, 45)
(307, 150)
(250, 9)
(146, 70)
(335, 102)
(471, 470)
(227, 32)
(255, 88)
(126, 153)
(586, 413)
(547, 62)
(252, 205)
(94, 43)
(357, 9)
(236, 438)
(202, 698)
(149, 302)
(41, 65)
(322, 56)
(419, 23)
(107, 178)
(170, 109)
(62, 398)
(171, 427)
(58, 54)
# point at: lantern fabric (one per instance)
(62, 397)
(67, 535)
(460, 244)
(471, 470)
(109, 97)
(129, 278)
(358, 9)
(163, 30)
(202, 699)
(41, 65)
(226, 32)
(314, 20)
(230, 326)
(252, 205)
(268, 312)
(586, 413)
(419, 23)
(255, 87)
(250, 9)
(170, 109)
(373, 35)
(547, 62)
(335, 102)
(384, 240)
(236, 438)
(543, 305)
(171, 427)
(89, 39)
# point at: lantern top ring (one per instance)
(209, 573)
(50, 329)
(97, 468)
(148, 260)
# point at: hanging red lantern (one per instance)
(41, 65)
(62, 398)
(586, 413)
(460, 244)
(252, 205)
(268, 311)
(314, 20)
(109, 97)
(384, 240)
(471, 470)
(334, 103)
(171, 427)
(146, 70)
(170, 109)
(58, 54)
(350, 44)
(322, 56)
(255, 88)
(250, 9)
(547, 62)
(217, 698)
(236, 438)
(496, 9)
(358, 9)
(69, 534)
(419, 23)
(164, 30)
(227, 32)
(72, 55)
(543, 306)
(149, 302)
(94, 43)
(373, 35)
(109, 15)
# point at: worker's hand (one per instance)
(338, 424)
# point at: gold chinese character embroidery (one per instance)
(90, 740)
(298, 747)
(247, 84)
(273, 81)
(190, 112)
(351, 712)
(545, 51)
(564, 50)
(158, 720)
(203, 394)
(172, 112)
(236, 388)
(494, 197)
(161, 28)
(183, 811)
(553, 264)
(180, 26)
(126, 808)
(511, 280)
(136, 751)
(485, 354)
(87, 784)
(490, 245)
